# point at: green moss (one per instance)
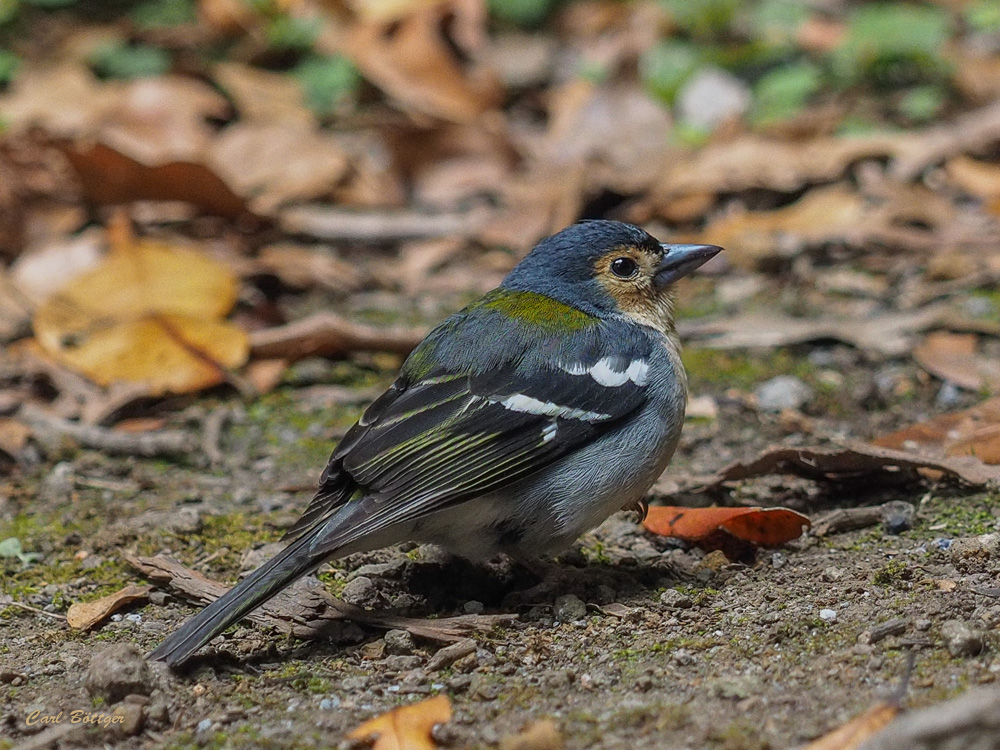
(889, 573)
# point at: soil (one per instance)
(632, 640)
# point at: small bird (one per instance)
(515, 426)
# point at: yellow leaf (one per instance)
(150, 314)
(407, 727)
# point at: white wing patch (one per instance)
(549, 432)
(528, 405)
(604, 374)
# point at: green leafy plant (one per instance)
(327, 82)
(11, 547)
(121, 60)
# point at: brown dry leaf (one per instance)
(263, 96)
(265, 374)
(827, 464)
(406, 727)
(108, 177)
(13, 436)
(821, 215)
(65, 101)
(616, 128)
(539, 735)
(387, 10)
(768, 527)
(858, 730)
(84, 615)
(163, 119)
(953, 357)
(411, 59)
(981, 179)
(150, 314)
(274, 164)
(888, 334)
(304, 268)
(970, 432)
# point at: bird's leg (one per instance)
(641, 508)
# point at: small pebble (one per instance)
(360, 592)
(782, 392)
(961, 639)
(828, 614)
(118, 671)
(204, 725)
(568, 608)
(474, 608)
(712, 96)
(675, 599)
(399, 642)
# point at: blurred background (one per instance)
(224, 224)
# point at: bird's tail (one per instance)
(294, 561)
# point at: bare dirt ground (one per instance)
(636, 642)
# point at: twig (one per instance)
(211, 434)
(307, 611)
(160, 443)
(971, 720)
(330, 335)
(328, 223)
(35, 610)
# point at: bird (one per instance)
(518, 423)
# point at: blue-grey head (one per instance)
(608, 268)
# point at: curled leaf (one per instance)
(767, 527)
(407, 727)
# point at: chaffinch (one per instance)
(519, 423)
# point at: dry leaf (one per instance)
(406, 727)
(65, 101)
(13, 436)
(151, 314)
(858, 730)
(539, 735)
(889, 334)
(826, 464)
(302, 267)
(264, 97)
(163, 119)
(953, 358)
(84, 615)
(411, 60)
(768, 527)
(108, 177)
(977, 178)
(277, 163)
(821, 215)
(971, 432)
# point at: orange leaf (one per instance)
(858, 730)
(407, 727)
(764, 526)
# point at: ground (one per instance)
(673, 648)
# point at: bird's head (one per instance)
(608, 268)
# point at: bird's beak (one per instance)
(680, 260)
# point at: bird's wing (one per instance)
(451, 436)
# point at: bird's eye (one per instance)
(624, 268)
